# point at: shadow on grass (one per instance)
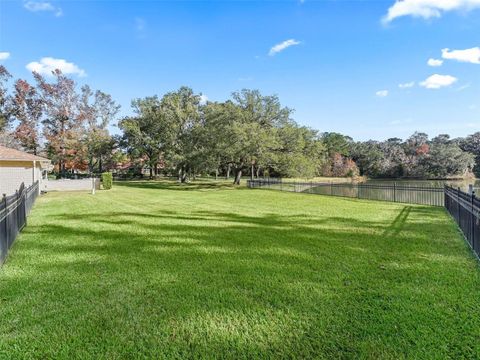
(174, 185)
(399, 223)
(202, 283)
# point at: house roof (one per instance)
(8, 154)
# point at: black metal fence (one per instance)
(13, 215)
(403, 193)
(465, 209)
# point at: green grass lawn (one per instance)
(157, 270)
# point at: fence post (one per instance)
(472, 217)
(445, 197)
(24, 202)
(7, 235)
(458, 204)
(17, 213)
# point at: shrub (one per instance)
(107, 180)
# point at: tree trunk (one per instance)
(183, 179)
(216, 174)
(62, 168)
(258, 172)
(90, 165)
(228, 172)
(180, 175)
(238, 177)
(252, 171)
(151, 172)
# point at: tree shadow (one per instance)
(399, 223)
(174, 185)
(208, 282)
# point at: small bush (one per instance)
(107, 180)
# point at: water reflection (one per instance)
(462, 184)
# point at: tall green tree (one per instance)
(144, 134)
(182, 118)
(5, 99)
(62, 124)
(256, 119)
(471, 144)
(28, 110)
(98, 111)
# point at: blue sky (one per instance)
(341, 72)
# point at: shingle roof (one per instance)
(8, 154)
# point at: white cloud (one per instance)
(407, 85)
(140, 24)
(434, 62)
(140, 27)
(36, 6)
(401, 122)
(382, 93)
(437, 81)
(474, 125)
(463, 87)
(48, 64)
(282, 46)
(203, 99)
(427, 8)
(244, 79)
(4, 55)
(468, 55)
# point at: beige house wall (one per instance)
(13, 173)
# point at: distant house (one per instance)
(18, 166)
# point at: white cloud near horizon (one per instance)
(471, 55)
(407, 85)
(36, 6)
(282, 46)
(203, 99)
(427, 9)
(401, 122)
(437, 81)
(382, 93)
(47, 65)
(434, 62)
(4, 55)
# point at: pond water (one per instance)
(462, 184)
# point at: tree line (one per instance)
(180, 135)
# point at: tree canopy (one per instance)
(179, 135)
